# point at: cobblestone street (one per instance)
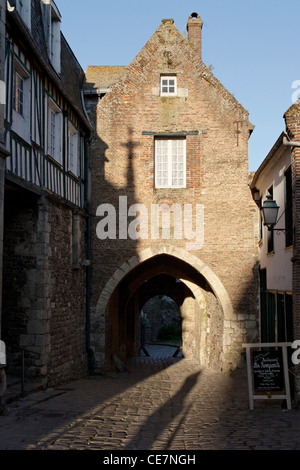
(159, 404)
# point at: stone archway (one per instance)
(112, 307)
(182, 255)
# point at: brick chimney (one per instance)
(194, 29)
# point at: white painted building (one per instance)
(274, 178)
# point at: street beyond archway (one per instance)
(159, 404)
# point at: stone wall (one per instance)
(21, 266)
(44, 292)
(161, 311)
(67, 290)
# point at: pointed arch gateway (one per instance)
(202, 298)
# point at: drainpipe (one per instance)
(88, 270)
(89, 349)
(290, 143)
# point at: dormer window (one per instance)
(168, 85)
(20, 7)
(55, 40)
(24, 9)
(51, 19)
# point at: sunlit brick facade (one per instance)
(168, 134)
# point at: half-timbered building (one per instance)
(45, 198)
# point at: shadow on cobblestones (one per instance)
(174, 410)
(160, 404)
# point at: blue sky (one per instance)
(253, 47)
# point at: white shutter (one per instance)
(73, 151)
(54, 131)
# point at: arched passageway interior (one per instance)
(164, 275)
(161, 328)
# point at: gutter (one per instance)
(290, 143)
(284, 140)
(96, 91)
(268, 158)
(89, 349)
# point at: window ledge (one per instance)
(168, 96)
(168, 188)
(54, 161)
(17, 113)
(290, 248)
(73, 175)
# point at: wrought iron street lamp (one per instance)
(269, 212)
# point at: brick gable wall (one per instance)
(217, 131)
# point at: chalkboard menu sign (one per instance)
(268, 371)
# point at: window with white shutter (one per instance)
(54, 134)
(73, 150)
(170, 163)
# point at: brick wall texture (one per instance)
(292, 119)
(217, 129)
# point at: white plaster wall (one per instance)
(278, 265)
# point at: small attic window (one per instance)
(24, 9)
(55, 38)
(52, 20)
(168, 85)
